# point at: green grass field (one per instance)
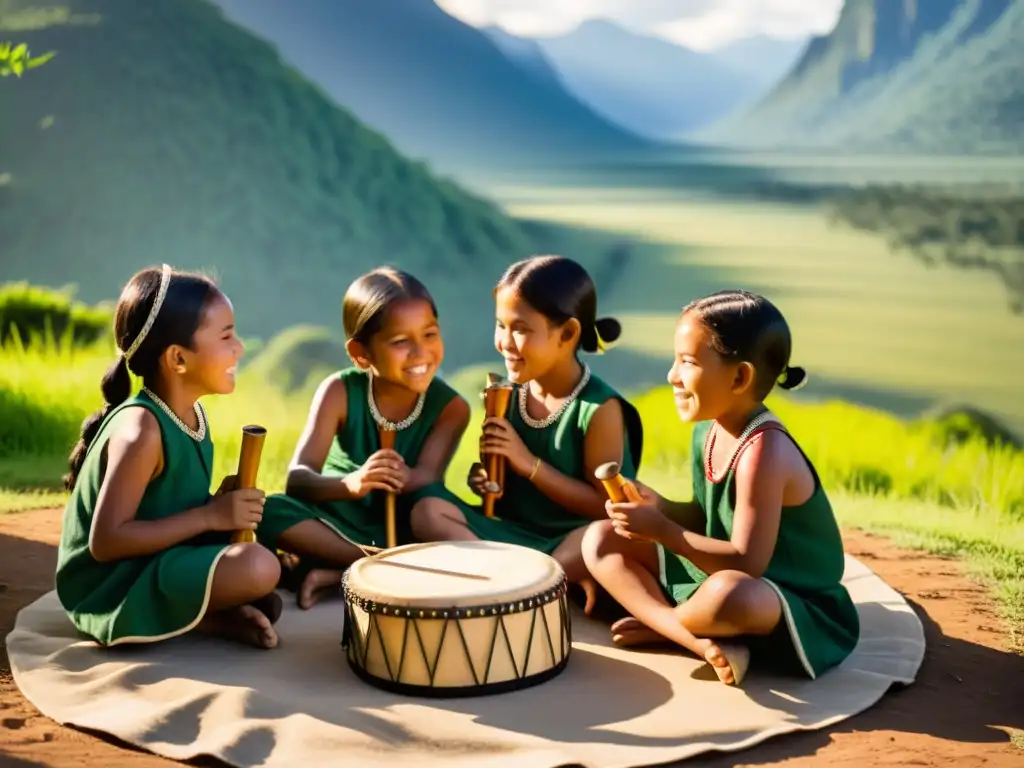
(869, 325)
(885, 475)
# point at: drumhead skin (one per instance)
(448, 574)
(455, 619)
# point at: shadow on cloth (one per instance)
(589, 677)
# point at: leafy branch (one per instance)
(15, 59)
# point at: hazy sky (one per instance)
(697, 24)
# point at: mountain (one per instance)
(764, 59)
(439, 89)
(164, 132)
(644, 83)
(525, 52)
(942, 76)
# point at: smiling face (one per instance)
(704, 383)
(407, 350)
(210, 366)
(527, 340)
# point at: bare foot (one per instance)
(629, 632)
(729, 660)
(244, 624)
(270, 605)
(288, 560)
(315, 586)
(291, 571)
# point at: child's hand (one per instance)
(228, 484)
(638, 522)
(236, 510)
(500, 438)
(476, 478)
(650, 496)
(385, 470)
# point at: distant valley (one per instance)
(647, 84)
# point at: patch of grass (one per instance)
(991, 547)
(33, 472)
(21, 501)
(30, 313)
(46, 393)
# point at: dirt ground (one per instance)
(967, 701)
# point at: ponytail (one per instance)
(117, 387)
(601, 335)
(792, 377)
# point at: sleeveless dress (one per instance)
(360, 521)
(820, 625)
(524, 515)
(152, 597)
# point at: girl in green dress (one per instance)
(334, 502)
(563, 421)
(145, 552)
(766, 570)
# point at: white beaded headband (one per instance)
(161, 294)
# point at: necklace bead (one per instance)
(392, 426)
(196, 434)
(555, 415)
(756, 422)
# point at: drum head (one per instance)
(454, 574)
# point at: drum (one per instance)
(456, 618)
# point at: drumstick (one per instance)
(387, 442)
(253, 436)
(497, 395)
(618, 488)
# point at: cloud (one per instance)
(733, 19)
(700, 24)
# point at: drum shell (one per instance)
(461, 650)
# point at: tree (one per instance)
(16, 59)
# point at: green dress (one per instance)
(360, 521)
(820, 625)
(152, 597)
(525, 516)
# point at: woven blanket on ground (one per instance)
(301, 705)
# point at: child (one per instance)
(334, 501)
(562, 423)
(145, 551)
(769, 563)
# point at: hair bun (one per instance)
(609, 329)
(793, 377)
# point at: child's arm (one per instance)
(134, 456)
(604, 442)
(761, 476)
(440, 446)
(327, 414)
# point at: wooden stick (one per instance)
(497, 395)
(387, 442)
(618, 488)
(249, 456)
